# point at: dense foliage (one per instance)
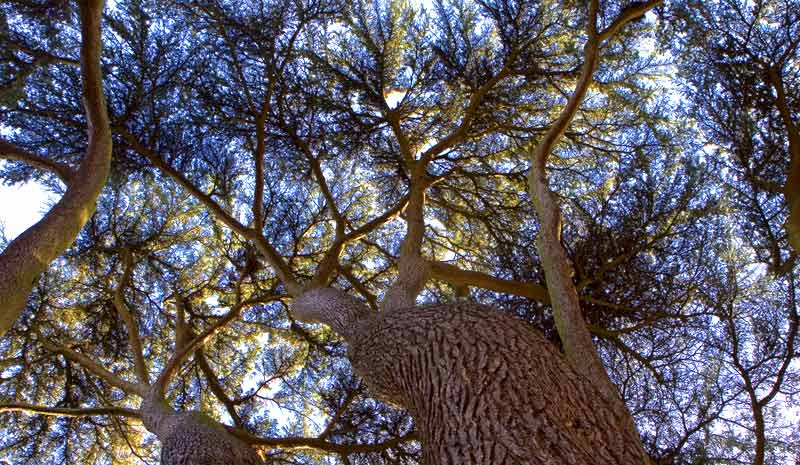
(262, 144)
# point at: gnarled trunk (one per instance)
(191, 438)
(483, 388)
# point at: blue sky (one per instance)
(21, 206)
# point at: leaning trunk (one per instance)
(27, 256)
(192, 437)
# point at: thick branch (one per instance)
(578, 346)
(413, 270)
(258, 162)
(10, 151)
(321, 444)
(330, 261)
(458, 277)
(216, 387)
(29, 254)
(69, 412)
(181, 353)
(791, 190)
(627, 15)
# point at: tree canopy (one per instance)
(261, 148)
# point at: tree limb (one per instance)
(131, 325)
(69, 412)
(10, 151)
(96, 369)
(458, 277)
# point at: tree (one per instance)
(516, 165)
(27, 256)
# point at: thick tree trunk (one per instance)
(191, 438)
(27, 256)
(483, 388)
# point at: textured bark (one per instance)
(191, 438)
(483, 388)
(28, 255)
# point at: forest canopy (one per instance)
(216, 159)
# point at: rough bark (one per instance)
(483, 387)
(191, 438)
(28, 255)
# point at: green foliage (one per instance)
(679, 256)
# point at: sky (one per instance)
(21, 206)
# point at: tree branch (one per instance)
(791, 191)
(96, 369)
(181, 353)
(131, 325)
(271, 255)
(578, 346)
(413, 270)
(626, 16)
(10, 151)
(321, 444)
(69, 412)
(458, 277)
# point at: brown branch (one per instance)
(359, 286)
(181, 353)
(470, 112)
(69, 412)
(413, 271)
(131, 325)
(10, 151)
(272, 256)
(216, 387)
(96, 369)
(27, 256)
(258, 161)
(626, 16)
(330, 262)
(320, 444)
(578, 346)
(791, 191)
(458, 277)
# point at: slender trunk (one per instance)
(578, 346)
(483, 387)
(761, 439)
(791, 190)
(193, 438)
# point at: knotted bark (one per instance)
(483, 387)
(192, 438)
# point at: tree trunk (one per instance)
(483, 388)
(191, 438)
(27, 256)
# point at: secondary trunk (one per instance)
(483, 388)
(191, 438)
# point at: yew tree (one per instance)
(485, 231)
